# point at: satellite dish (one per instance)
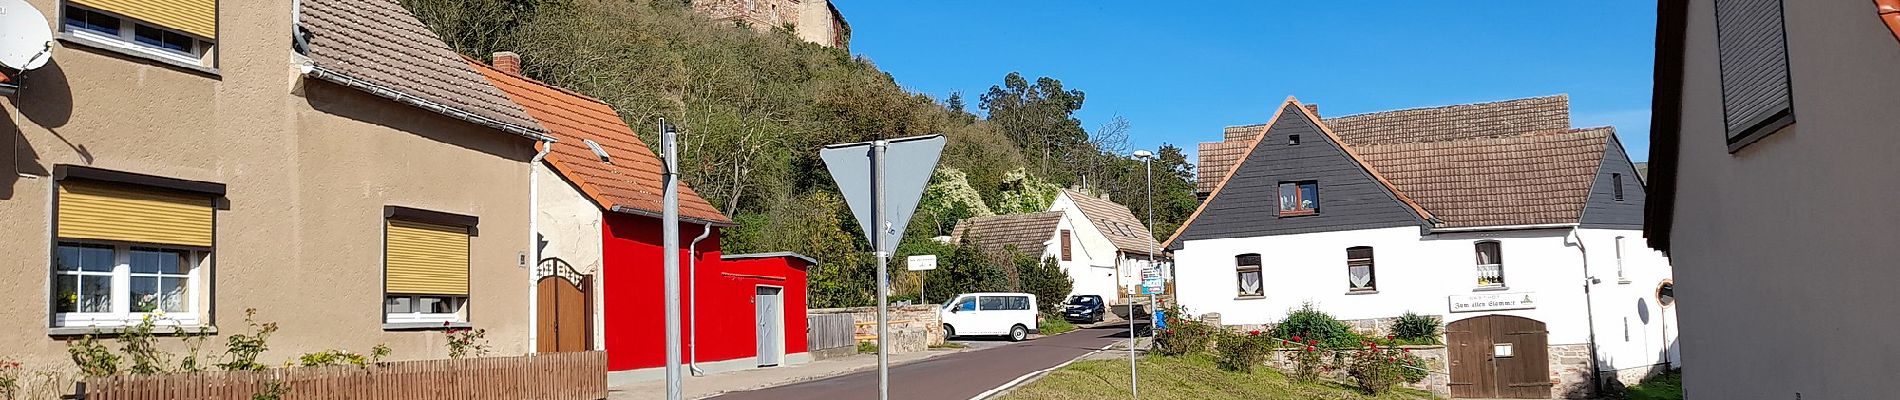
(25, 40)
(598, 151)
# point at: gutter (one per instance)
(692, 276)
(635, 211)
(339, 78)
(1590, 317)
(1567, 225)
(534, 237)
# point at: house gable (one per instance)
(1351, 196)
(1602, 210)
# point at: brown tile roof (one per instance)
(630, 182)
(1500, 118)
(1121, 226)
(1889, 12)
(1497, 181)
(379, 47)
(1216, 159)
(1027, 232)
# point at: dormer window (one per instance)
(1299, 198)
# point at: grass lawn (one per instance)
(1055, 325)
(1184, 378)
(1667, 386)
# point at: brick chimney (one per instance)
(507, 61)
(1313, 108)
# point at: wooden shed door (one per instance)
(1499, 356)
(563, 314)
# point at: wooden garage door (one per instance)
(1499, 356)
(564, 314)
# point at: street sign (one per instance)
(904, 181)
(921, 263)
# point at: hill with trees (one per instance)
(754, 107)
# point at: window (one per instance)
(1620, 278)
(1359, 270)
(1753, 51)
(103, 285)
(1299, 198)
(1292, 140)
(1247, 270)
(1065, 246)
(966, 304)
(126, 251)
(425, 266)
(990, 303)
(1616, 183)
(1490, 264)
(1016, 303)
(180, 31)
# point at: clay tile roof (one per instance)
(1216, 159)
(1889, 12)
(1027, 232)
(631, 182)
(1115, 221)
(1497, 181)
(1501, 118)
(378, 46)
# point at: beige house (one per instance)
(187, 159)
(1774, 177)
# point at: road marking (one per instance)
(1020, 379)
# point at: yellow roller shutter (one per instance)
(425, 259)
(104, 211)
(197, 17)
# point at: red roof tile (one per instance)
(1115, 221)
(630, 182)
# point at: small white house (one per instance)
(1048, 235)
(1522, 234)
(1113, 237)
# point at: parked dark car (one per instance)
(1085, 308)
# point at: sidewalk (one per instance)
(699, 387)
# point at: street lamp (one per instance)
(1147, 161)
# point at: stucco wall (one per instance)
(307, 178)
(1783, 247)
(1417, 273)
(1093, 267)
(570, 228)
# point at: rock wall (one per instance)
(815, 21)
(912, 329)
(1570, 371)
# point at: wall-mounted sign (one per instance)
(1492, 301)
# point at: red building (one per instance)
(599, 277)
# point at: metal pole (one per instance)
(1134, 392)
(883, 258)
(670, 231)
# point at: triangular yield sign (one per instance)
(908, 164)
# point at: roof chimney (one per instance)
(507, 61)
(1312, 108)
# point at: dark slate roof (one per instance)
(379, 47)
(1527, 179)
(1121, 226)
(1027, 232)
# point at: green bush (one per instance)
(1183, 336)
(1375, 369)
(1240, 352)
(1414, 328)
(1309, 323)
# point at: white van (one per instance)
(990, 314)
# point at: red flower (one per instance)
(1296, 339)
(1253, 333)
(1392, 359)
(1408, 351)
(1311, 348)
(1390, 337)
(1312, 342)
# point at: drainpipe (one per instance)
(692, 307)
(534, 232)
(1589, 312)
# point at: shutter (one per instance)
(424, 258)
(197, 17)
(1754, 61)
(103, 211)
(1065, 245)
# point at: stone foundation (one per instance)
(1438, 381)
(1570, 371)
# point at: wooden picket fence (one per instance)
(546, 376)
(830, 331)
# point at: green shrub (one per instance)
(1055, 325)
(867, 347)
(1376, 369)
(1309, 323)
(1183, 336)
(1416, 329)
(1240, 352)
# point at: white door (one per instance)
(995, 314)
(770, 304)
(961, 314)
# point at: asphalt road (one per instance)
(952, 377)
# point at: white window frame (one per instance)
(121, 313)
(1372, 271)
(1259, 271)
(1620, 276)
(127, 39)
(1497, 264)
(460, 315)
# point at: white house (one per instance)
(1114, 239)
(1048, 235)
(1523, 234)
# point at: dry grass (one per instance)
(1185, 378)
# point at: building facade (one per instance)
(816, 21)
(1520, 233)
(1114, 239)
(1772, 163)
(191, 162)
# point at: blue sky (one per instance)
(1180, 71)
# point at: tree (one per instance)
(947, 200)
(1039, 117)
(1025, 193)
(1045, 279)
(967, 269)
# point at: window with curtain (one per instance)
(1359, 270)
(1299, 198)
(1247, 272)
(1490, 264)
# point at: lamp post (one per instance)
(1147, 161)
